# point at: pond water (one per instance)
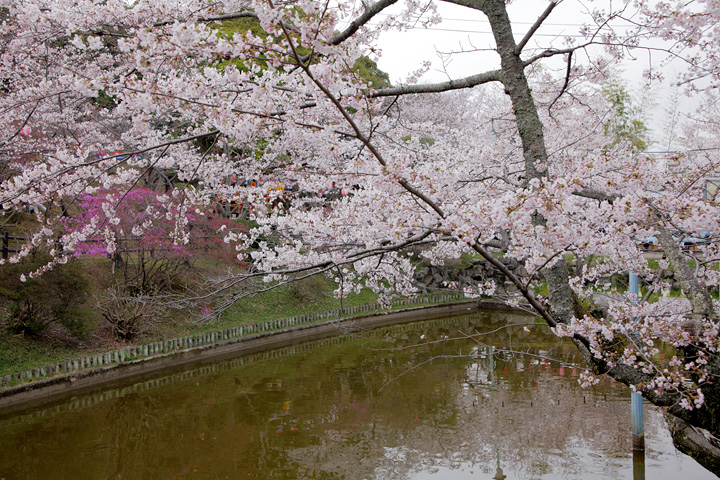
(414, 401)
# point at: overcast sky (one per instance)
(464, 30)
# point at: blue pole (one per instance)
(635, 285)
(638, 426)
(636, 401)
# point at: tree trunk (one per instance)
(700, 445)
(516, 86)
(530, 129)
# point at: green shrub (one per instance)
(55, 296)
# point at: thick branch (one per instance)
(369, 13)
(529, 126)
(467, 82)
(695, 443)
(596, 195)
(705, 417)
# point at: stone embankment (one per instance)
(434, 277)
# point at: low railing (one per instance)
(5, 249)
(138, 352)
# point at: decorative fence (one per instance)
(138, 352)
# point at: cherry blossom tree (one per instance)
(522, 172)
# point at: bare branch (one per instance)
(467, 82)
(552, 52)
(568, 71)
(534, 28)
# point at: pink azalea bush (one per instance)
(138, 219)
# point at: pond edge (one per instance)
(53, 389)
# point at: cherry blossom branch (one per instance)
(358, 133)
(367, 15)
(66, 170)
(22, 125)
(315, 268)
(516, 281)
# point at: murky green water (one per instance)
(368, 406)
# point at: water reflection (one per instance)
(369, 406)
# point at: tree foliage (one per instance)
(31, 306)
(626, 123)
(368, 70)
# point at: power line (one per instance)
(484, 21)
(472, 20)
(556, 35)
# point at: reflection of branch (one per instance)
(497, 350)
(418, 366)
(527, 354)
(465, 336)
